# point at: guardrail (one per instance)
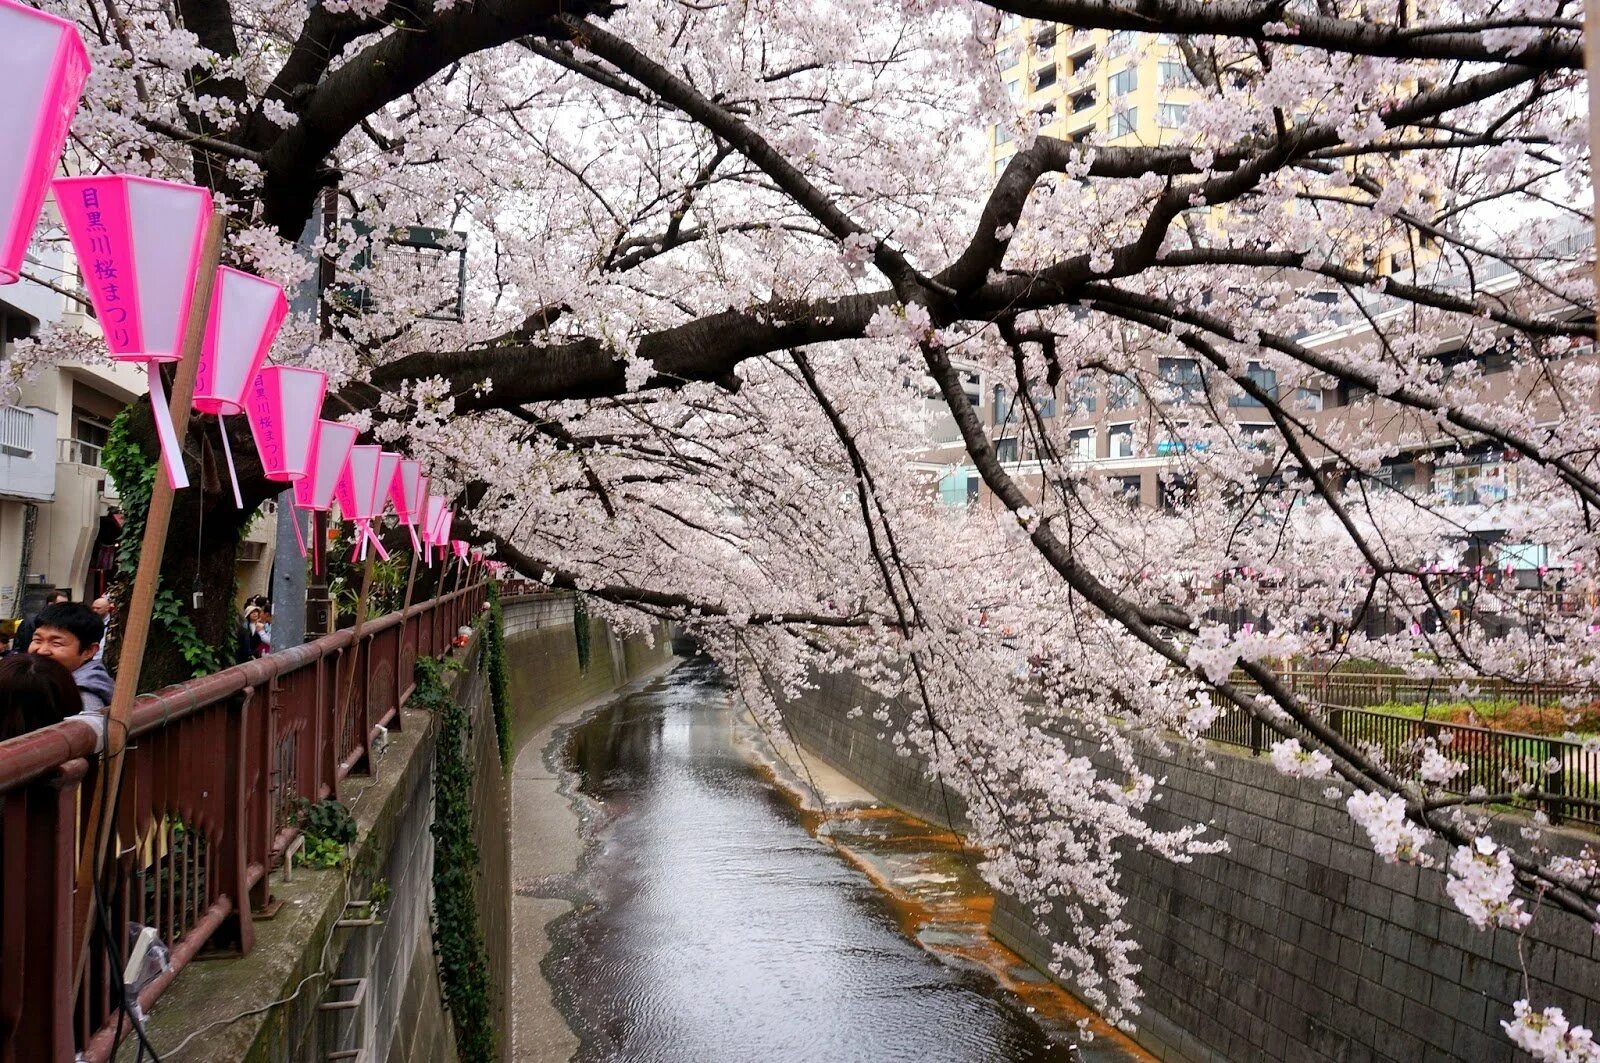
(215, 768)
(1561, 776)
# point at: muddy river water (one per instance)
(721, 921)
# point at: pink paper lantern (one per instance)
(332, 450)
(246, 313)
(284, 405)
(460, 548)
(45, 71)
(432, 511)
(362, 492)
(138, 244)
(410, 490)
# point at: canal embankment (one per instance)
(1295, 943)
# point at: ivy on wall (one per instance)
(580, 631)
(494, 658)
(457, 933)
(135, 477)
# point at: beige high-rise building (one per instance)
(1133, 88)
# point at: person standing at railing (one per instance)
(69, 633)
(35, 692)
(103, 609)
(24, 635)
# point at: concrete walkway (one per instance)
(545, 849)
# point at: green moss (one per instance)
(494, 659)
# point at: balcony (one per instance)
(27, 470)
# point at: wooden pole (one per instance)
(100, 823)
(1591, 62)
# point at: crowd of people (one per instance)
(54, 668)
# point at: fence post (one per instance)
(51, 808)
(233, 864)
(1555, 783)
(1256, 735)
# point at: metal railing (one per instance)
(17, 431)
(78, 452)
(1558, 775)
(215, 770)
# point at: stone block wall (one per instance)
(1298, 943)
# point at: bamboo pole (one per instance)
(100, 823)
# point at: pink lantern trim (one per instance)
(46, 68)
(284, 405)
(431, 513)
(460, 548)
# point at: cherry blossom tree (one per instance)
(719, 251)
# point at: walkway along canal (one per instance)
(718, 920)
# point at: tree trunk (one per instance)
(192, 636)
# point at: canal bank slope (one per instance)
(551, 689)
(1296, 943)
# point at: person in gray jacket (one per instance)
(69, 633)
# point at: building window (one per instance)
(1080, 444)
(1263, 378)
(1014, 89)
(1045, 37)
(1005, 58)
(1083, 101)
(1119, 441)
(1174, 72)
(1124, 81)
(1005, 450)
(1171, 115)
(1002, 404)
(1129, 487)
(1123, 123)
(1120, 41)
(1081, 61)
(1257, 436)
(1184, 376)
(1009, 22)
(1177, 492)
(1002, 134)
(1119, 396)
(1044, 77)
(1085, 394)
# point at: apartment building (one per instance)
(1132, 88)
(59, 513)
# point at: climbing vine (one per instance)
(494, 657)
(457, 932)
(580, 631)
(135, 477)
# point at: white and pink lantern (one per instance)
(362, 492)
(330, 451)
(410, 494)
(284, 405)
(432, 510)
(139, 244)
(314, 493)
(460, 548)
(46, 67)
(246, 313)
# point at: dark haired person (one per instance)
(35, 692)
(24, 634)
(69, 633)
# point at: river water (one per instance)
(721, 922)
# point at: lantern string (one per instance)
(233, 475)
(299, 539)
(171, 451)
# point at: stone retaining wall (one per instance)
(1298, 943)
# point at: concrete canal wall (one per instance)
(272, 1004)
(1297, 943)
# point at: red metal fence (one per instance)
(214, 770)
